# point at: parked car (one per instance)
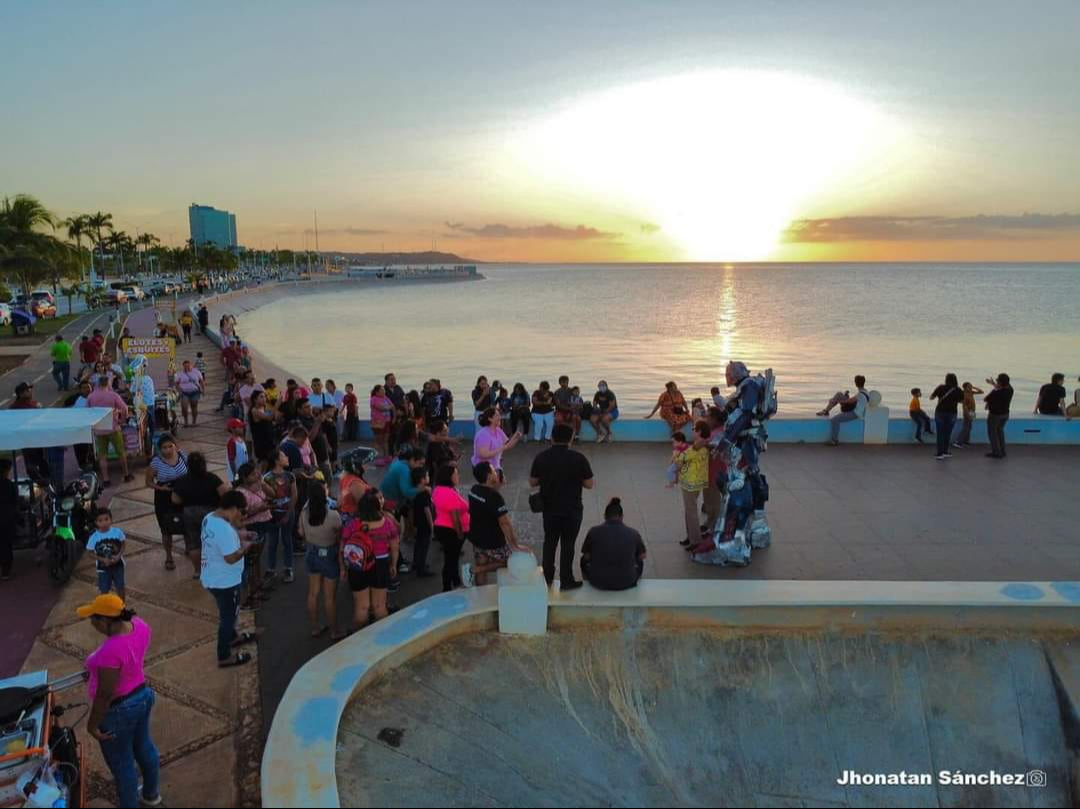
(43, 295)
(5, 314)
(38, 308)
(134, 292)
(116, 296)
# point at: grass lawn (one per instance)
(44, 328)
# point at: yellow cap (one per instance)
(109, 605)
(319, 475)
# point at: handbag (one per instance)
(536, 503)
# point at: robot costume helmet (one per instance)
(353, 461)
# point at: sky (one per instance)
(599, 131)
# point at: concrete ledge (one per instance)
(1045, 430)
(298, 766)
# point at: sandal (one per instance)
(240, 659)
(318, 633)
(128, 478)
(685, 542)
(335, 637)
(170, 564)
(245, 637)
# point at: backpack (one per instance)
(357, 549)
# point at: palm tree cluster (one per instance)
(32, 251)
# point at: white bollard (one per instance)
(523, 596)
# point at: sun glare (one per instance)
(721, 161)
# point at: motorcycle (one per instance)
(72, 523)
(41, 758)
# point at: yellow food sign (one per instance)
(149, 347)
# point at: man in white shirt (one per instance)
(851, 408)
(223, 572)
(339, 403)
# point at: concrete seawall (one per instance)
(891, 428)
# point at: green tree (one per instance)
(98, 223)
(77, 228)
(27, 255)
(147, 241)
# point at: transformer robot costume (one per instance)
(742, 526)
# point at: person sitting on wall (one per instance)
(613, 554)
(1051, 400)
(851, 408)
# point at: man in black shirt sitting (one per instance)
(561, 473)
(1051, 401)
(613, 554)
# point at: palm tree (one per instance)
(147, 240)
(77, 227)
(99, 222)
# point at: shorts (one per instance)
(494, 554)
(323, 562)
(193, 517)
(170, 522)
(378, 578)
(110, 578)
(194, 396)
(102, 443)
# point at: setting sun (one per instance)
(721, 160)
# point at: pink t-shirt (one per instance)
(446, 501)
(124, 652)
(382, 411)
(382, 536)
(489, 439)
(101, 397)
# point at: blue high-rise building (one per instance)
(211, 226)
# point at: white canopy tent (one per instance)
(50, 427)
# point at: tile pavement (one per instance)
(207, 721)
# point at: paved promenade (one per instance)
(871, 513)
(207, 721)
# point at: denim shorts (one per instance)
(323, 562)
(111, 577)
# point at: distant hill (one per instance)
(382, 259)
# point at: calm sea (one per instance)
(637, 326)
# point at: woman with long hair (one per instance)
(261, 421)
(451, 522)
(167, 466)
(369, 582)
(259, 520)
(520, 411)
(321, 530)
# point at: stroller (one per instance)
(165, 418)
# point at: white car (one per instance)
(5, 314)
(134, 292)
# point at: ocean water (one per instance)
(637, 326)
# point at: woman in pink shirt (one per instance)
(451, 522)
(382, 415)
(121, 701)
(491, 442)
